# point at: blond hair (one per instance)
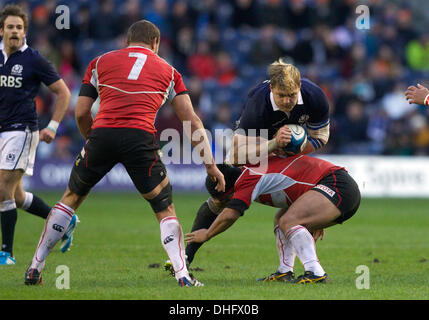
(284, 76)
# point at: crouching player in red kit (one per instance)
(132, 83)
(316, 193)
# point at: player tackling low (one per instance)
(286, 98)
(132, 83)
(317, 194)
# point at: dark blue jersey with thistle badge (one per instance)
(20, 77)
(311, 111)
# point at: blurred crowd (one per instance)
(222, 48)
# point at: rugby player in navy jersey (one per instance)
(284, 99)
(22, 70)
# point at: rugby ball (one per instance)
(299, 139)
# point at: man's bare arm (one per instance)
(182, 105)
(248, 149)
(63, 99)
(83, 115)
(224, 220)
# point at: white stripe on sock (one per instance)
(27, 201)
(285, 251)
(305, 249)
(174, 245)
(7, 205)
(55, 226)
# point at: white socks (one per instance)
(27, 201)
(174, 244)
(305, 249)
(55, 227)
(285, 250)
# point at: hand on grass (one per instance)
(320, 233)
(198, 236)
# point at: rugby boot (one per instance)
(279, 276)
(6, 258)
(310, 277)
(33, 277)
(189, 282)
(66, 240)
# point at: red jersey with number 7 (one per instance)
(133, 83)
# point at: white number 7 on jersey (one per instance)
(138, 65)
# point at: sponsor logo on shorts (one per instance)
(10, 157)
(325, 189)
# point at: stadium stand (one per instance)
(363, 72)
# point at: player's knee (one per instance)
(7, 186)
(278, 215)
(72, 199)
(289, 220)
(5, 193)
(19, 198)
(77, 186)
(163, 200)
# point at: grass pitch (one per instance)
(117, 254)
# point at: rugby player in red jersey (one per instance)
(132, 84)
(316, 193)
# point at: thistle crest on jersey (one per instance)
(17, 70)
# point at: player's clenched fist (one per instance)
(418, 95)
(47, 135)
(283, 136)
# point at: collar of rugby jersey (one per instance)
(141, 47)
(276, 108)
(22, 49)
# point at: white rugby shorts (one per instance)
(18, 150)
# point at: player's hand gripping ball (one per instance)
(299, 140)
